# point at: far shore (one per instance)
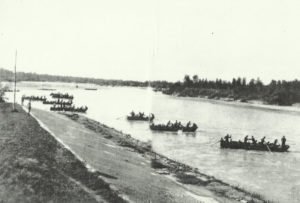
(256, 104)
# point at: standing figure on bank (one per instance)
(29, 106)
(22, 100)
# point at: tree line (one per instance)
(6, 75)
(278, 92)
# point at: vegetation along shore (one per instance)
(277, 92)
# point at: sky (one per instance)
(152, 39)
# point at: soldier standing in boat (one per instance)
(262, 141)
(246, 139)
(227, 138)
(283, 140)
(132, 113)
(253, 140)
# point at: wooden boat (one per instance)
(34, 98)
(61, 96)
(69, 108)
(140, 118)
(250, 146)
(56, 102)
(162, 127)
(9, 90)
(47, 89)
(90, 88)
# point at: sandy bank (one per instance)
(36, 168)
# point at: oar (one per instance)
(216, 142)
(268, 148)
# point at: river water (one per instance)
(275, 176)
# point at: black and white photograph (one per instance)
(149, 101)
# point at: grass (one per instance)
(36, 168)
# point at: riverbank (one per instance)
(129, 173)
(253, 104)
(180, 173)
(37, 168)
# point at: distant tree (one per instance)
(239, 82)
(244, 82)
(233, 83)
(195, 79)
(187, 80)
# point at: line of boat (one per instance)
(63, 102)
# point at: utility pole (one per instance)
(15, 88)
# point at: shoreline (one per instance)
(255, 104)
(164, 166)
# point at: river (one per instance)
(276, 176)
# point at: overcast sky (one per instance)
(153, 39)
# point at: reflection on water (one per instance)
(276, 175)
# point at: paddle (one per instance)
(268, 148)
(216, 142)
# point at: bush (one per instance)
(2, 93)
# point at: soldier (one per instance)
(29, 106)
(227, 138)
(246, 139)
(262, 141)
(283, 140)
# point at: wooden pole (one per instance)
(15, 88)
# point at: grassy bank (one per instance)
(36, 168)
(164, 166)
